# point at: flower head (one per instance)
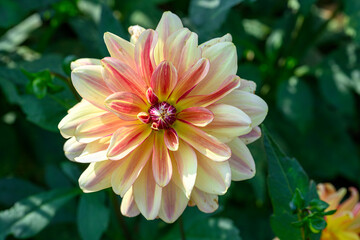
(345, 223)
(163, 121)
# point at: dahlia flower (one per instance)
(163, 121)
(345, 223)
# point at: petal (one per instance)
(161, 162)
(89, 83)
(128, 206)
(163, 80)
(229, 121)
(135, 32)
(186, 162)
(98, 127)
(168, 24)
(350, 203)
(247, 86)
(147, 193)
(252, 136)
(241, 162)
(84, 61)
(206, 202)
(212, 42)
(228, 86)
(251, 104)
(190, 79)
(203, 142)
(73, 148)
(125, 105)
(223, 63)
(120, 49)
(126, 139)
(121, 77)
(144, 54)
(197, 116)
(171, 139)
(212, 177)
(181, 48)
(97, 176)
(173, 203)
(94, 151)
(130, 167)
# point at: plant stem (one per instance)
(181, 226)
(119, 217)
(68, 82)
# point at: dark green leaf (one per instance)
(317, 224)
(318, 205)
(298, 201)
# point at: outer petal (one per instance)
(241, 162)
(252, 136)
(147, 193)
(212, 177)
(99, 127)
(171, 139)
(121, 77)
(164, 80)
(126, 105)
(251, 104)
(89, 83)
(94, 151)
(144, 54)
(351, 202)
(173, 203)
(97, 176)
(126, 139)
(73, 148)
(223, 62)
(84, 61)
(169, 23)
(206, 202)
(128, 206)
(203, 142)
(130, 167)
(186, 162)
(120, 49)
(212, 42)
(247, 86)
(135, 32)
(197, 116)
(161, 162)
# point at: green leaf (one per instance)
(298, 201)
(29, 216)
(318, 205)
(317, 224)
(92, 216)
(55, 178)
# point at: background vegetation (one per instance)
(303, 54)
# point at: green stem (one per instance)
(68, 82)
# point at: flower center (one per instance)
(162, 115)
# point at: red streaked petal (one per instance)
(84, 61)
(163, 80)
(171, 139)
(161, 162)
(128, 206)
(126, 139)
(126, 105)
(252, 136)
(198, 116)
(203, 142)
(206, 202)
(151, 96)
(121, 77)
(94, 151)
(144, 54)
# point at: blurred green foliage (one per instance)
(304, 56)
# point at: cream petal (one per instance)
(84, 61)
(128, 206)
(163, 80)
(226, 38)
(94, 151)
(212, 177)
(197, 116)
(247, 86)
(73, 148)
(203, 142)
(173, 203)
(161, 162)
(97, 176)
(89, 83)
(206, 202)
(126, 139)
(252, 136)
(241, 162)
(135, 32)
(147, 193)
(171, 139)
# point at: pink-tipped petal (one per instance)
(252, 136)
(161, 162)
(97, 176)
(125, 105)
(128, 206)
(89, 83)
(151, 96)
(173, 203)
(206, 202)
(120, 49)
(203, 142)
(197, 116)
(144, 54)
(163, 80)
(73, 148)
(212, 177)
(94, 151)
(255, 107)
(121, 77)
(171, 139)
(147, 193)
(130, 167)
(84, 61)
(126, 139)
(241, 162)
